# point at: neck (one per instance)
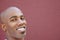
(12, 38)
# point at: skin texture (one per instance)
(13, 19)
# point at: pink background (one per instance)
(43, 18)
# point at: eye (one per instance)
(13, 20)
(22, 18)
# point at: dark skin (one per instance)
(11, 22)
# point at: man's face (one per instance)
(14, 22)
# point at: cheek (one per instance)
(11, 27)
(24, 21)
(12, 24)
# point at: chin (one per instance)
(19, 36)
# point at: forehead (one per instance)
(12, 11)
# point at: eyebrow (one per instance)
(15, 16)
(21, 16)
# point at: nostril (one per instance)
(24, 27)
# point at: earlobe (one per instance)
(3, 27)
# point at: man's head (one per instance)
(13, 22)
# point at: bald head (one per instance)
(9, 11)
(13, 22)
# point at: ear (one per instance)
(4, 27)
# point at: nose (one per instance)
(21, 22)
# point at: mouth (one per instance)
(22, 30)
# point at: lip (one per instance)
(21, 27)
(21, 30)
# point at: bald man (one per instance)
(13, 23)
